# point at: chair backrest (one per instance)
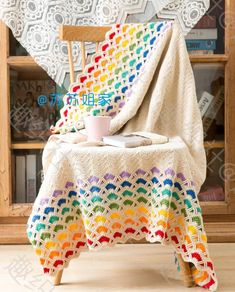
(82, 34)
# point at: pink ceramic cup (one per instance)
(97, 127)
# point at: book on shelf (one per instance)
(20, 184)
(39, 172)
(32, 116)
(13, 173)
(205, 102)
(201, 52)
(215, 193)
(201, 45)
(206, 21)
(31, 191)
(27, 177)
(217, 88)
(203, 34)
(202, 39)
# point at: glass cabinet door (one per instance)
(35, 102)
(209, 80)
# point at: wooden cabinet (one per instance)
(219, 216)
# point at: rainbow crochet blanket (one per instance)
(95, 196)
(111, 75)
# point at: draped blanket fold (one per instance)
(93, 195)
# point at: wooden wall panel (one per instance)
(5, 184)
(230, 105)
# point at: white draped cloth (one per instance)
(35, 23)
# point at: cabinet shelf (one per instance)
(28, 145)
(22, 61)
(26, 68)
(41, 145)
(216, 58)
(27, 62)
(214, 144)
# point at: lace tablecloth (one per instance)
(35, 23)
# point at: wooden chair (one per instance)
(82, 34)
(96, 34)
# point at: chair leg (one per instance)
(185, 272)
(58, 277)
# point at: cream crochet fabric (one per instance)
(94, 196)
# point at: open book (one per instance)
(135, 139)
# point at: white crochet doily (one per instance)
(35, 23)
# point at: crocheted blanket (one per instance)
(95, 195)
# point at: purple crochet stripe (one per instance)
(57, 193)
(155, 170)
(125, 174)
(169, 171)
(69, 184)
(44, 201)
(140, 171)
(80, 182)
(181, 176)
(121, 104)
(93, 179)
(109, 176)
(129, 92)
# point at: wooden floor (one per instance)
(139, 267)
